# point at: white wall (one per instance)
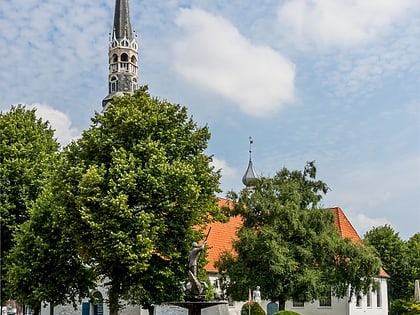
(338, 307)
(374, 308)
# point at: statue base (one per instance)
(194, 308)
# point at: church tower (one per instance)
(122, 55)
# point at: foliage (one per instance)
(396, 260)
(27, 152)
(403, 307)
(285, 313)
(43, 264)
(289, 247)
(413, 249)
(256, 309)
(133, 188)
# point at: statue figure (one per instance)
(257, 295)
(194, 253)
(194, 286)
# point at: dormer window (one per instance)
(125, 43)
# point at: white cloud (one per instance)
(378, 193)
(227, 171)
(330, 23)
(215, 56)
(59, 121)
(363, 223)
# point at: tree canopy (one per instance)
(27, 152)
(289, 246)
(43, 265)
(132, 189)
(400, 259)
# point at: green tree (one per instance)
(133, 188)
(252, 308)
(27, 152)
(289, 247)
(413, 247)
(43, 263)
(395, 258)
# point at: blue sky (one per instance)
(337, 82)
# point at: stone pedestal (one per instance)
(194, 308)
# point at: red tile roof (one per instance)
(223, 234)
(344, 227)
(221, 237)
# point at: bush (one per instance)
(256, 309)
(285, 313)
(403, 307)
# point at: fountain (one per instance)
(194, 289)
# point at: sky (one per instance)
(335, 82)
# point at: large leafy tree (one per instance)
(43, 265)
(291, 248)
(27, 152)
(396, 259)
(132, 189)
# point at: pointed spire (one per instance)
(249, 177)
(123, 55)
(122, 24)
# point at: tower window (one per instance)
(113, 85)
(114, 58)
(125, 43)
(124, 57)
(133, 59)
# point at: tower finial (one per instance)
(250, 147)
(249, 177)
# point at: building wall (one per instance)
(338, 306)
(375, 308)
(346, 307)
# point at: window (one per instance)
(358, 301)
(298, 303)
(378, 296)
(124, 57)
(326, 301)
(113, 85)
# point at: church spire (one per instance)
(123, 55)
(249, 177)
(122, 24)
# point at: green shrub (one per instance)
(256, 309)
(285, 313)
(403, 307)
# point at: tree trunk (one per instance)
(151, 309)
(37, 309)
(282, 304)
(51, 309)
(113, 300)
